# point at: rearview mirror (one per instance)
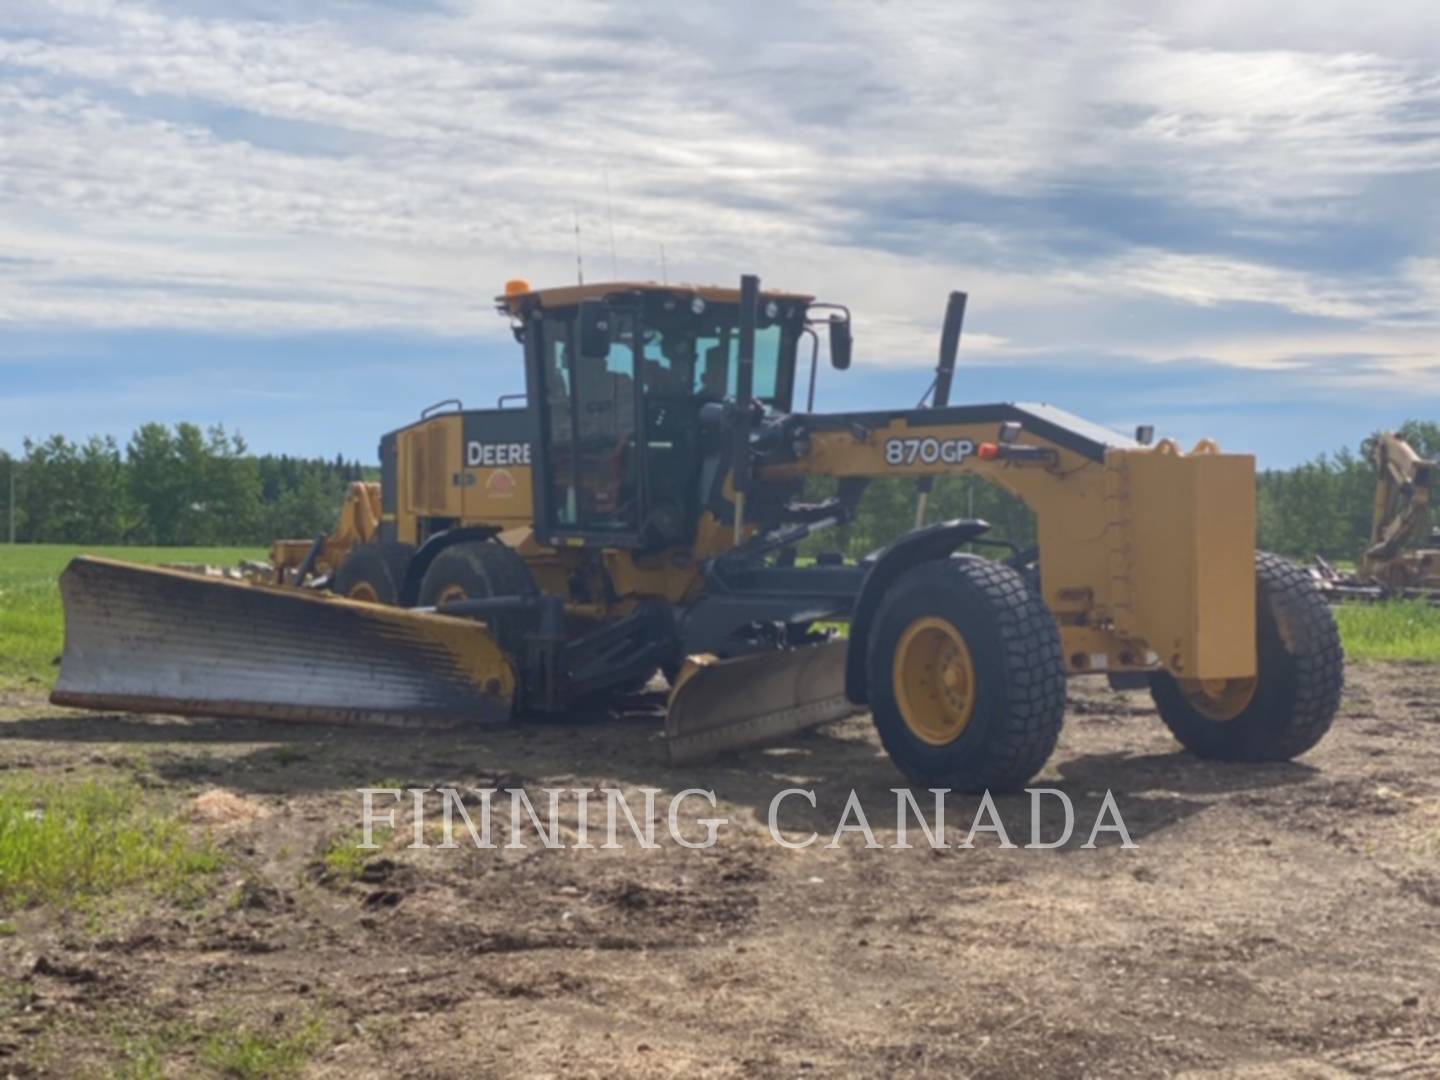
(841, 342)
(594, 329)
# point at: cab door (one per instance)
(592, 435)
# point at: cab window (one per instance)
(718, 367)
(592, 407)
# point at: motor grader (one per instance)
(644, 510)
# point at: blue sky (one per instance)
(289, 218)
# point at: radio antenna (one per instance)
(664, 275)
(610, 214)
(579, 262)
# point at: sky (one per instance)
(291, 218)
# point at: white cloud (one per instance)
(172, 165)
(1208, 281)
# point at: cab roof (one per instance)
(518, 295)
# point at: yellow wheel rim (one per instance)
(934, 681)
(451, 594)
(1219, 699)
(363, 590)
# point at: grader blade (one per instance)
(142, 639)
(726, 704)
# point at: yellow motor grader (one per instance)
(644, 510)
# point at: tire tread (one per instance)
(1288, 728)
(392, 555)
(501, 568)
(1022, 739)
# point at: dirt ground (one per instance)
(1273, 921)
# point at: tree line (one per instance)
(184, 485)
(180, 485)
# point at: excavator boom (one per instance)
(1402, 497)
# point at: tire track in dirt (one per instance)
(1275, 920)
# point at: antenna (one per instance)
(579, 263)
(664, 274)
(610, 214)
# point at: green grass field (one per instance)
(1399, 631)
(62, 842)
(31, 630)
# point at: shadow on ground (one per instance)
(625, 748)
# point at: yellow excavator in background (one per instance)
(1402, 516)
(644, 510)
(1391, 566)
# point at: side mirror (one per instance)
(841, 343)
(593, 329)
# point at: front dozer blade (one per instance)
(725, 704)
(142, 639)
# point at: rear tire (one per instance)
(373, 573)
(480, 570)
(1291, 703)
(966, 676)
(475, 570)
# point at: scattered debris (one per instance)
(220, 807)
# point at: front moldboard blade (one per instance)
(724, 704)
(142, 639)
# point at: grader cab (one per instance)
(645, 511)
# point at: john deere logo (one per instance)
(487, 455)
(500, 485)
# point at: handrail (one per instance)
(425, 412)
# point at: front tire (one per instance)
(966, 676)
(1291, 702)
(373, 573)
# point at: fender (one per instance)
(425, 555)
(924, 545)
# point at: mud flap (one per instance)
(143, 639)
(725, 704)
